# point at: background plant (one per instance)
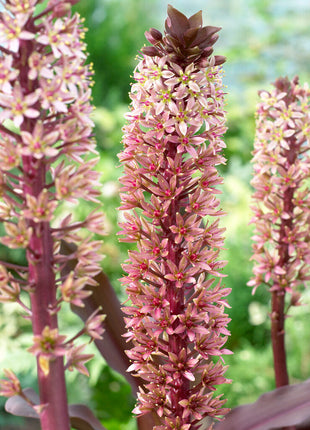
(44, 159)
(281, 205)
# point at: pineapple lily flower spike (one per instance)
(47, 157)
(172, 144)
(281, 204)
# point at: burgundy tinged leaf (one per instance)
(185, 41)
(196, 19)
(81, 417)
(18, 406)
(207, 34)
(149, 50)
(178, 22)
(147, 421)
(190, 35)
(283, 407)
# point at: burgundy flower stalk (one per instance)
(173, 143)
(45, 142)
(281, 203)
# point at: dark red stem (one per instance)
(175, 295)
(52, 388)
(40, 255)
(278, 295)
(278, 339)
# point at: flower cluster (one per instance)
(282, 194)
(176, 320)
(47, 157)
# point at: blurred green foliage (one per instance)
(261, 39)
(112, 391)
(251, 369)
(116, 33)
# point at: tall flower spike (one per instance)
(47, 156)
(173, 143)
(281, 200)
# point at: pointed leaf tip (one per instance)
(219, 59)
(196, 19)
(81, 417)
(282, 407)
(149, 50)
(177, 22)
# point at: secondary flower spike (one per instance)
(172, 145)
(281, 200)
(47, 157)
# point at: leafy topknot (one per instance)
(185, 41)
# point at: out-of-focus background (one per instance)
(262, 40)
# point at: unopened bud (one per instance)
(219, 59)
(213, 39)
(207, 51)
(61, 9)
(153, 36)
(151, 51)
(156, 34)
(295, 297)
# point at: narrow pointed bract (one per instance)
(172, 145)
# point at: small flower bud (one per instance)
(149, 50)
(93, 325)
(153, 36)
(76, 360)
(61, 9)
(219, 59)
(295, 298)
(11, 386)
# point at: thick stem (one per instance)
(52, 388)
(278, 296)
(176, 344)
(175, 296)
(278, 299)
(278, 339)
